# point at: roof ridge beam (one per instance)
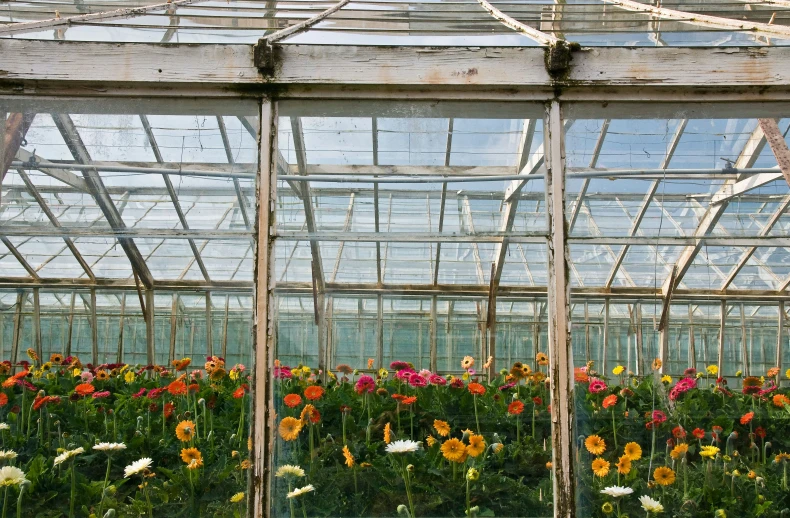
(512, 23)
(104, 15)
(702, 19)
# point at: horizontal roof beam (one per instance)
(153, 233)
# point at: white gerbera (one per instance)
(137, 467)
(66, 455)
(299, 491)
(289, 470)
(4, 426)
(7, 455)
(402, 446)
(110, 446)
(650, 505)
(617, 491)
(11, 476)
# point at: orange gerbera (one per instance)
(292, 400)
(595, 445)
(190, 455)
(580, 376)
(349, 458)
(387, 433)
(624, 465)
(181, 364)
(780, 400)
(84, 389)
(177, 388)
(168, 409)
(679, 450)
(664, 476)
(313, 392)
(289, 428)
(772, 372)
(476, 389)
(515, 407)
(185, 431)
(747, 417)
(600, 467)
(102, 375)
(441, 427)
(3, 399)
(610, 400)
(408, 400)
(311, 413)
(477, 445)
(454, 450)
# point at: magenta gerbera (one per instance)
(597, 385)
(365, 384)
(415, 380)
(435, 379)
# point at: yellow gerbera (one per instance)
(679, 451)
(618, 370)
(190, 455)
(387, 433)
(600, 467)
(595, 445)
(441, 427)
(430, 440)
(709, 451)
(348, 456)
(454, 450)
(624, 465)
(633, 450)
(664, 476)
(238, 497)
(185, 431)
(289, 428)
(477, 445)
(712, 369)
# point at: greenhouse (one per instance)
(430, 258)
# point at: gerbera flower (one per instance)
(365, 384)
(617, 491)
(239, 392)
(102, 375)
(633, 450)
(609, 401)
(624, 465)
(300, 491)
(467, 363)
(66, 455)
(476, 389)
(292, 400)
(515, 407)
(181, 364)
(11, 476)
(596, 385)
(177, 388)
(192, 457)
(526, 370)
(6, 455)
(109, 447)
(84, 389)
(408, 400)
(431, 440)
(238, 497)
(664, 476)
(313, 392)
(402, 446)
(709, 451)
(417, 381)
(4, 399)
(600, 467)
(454, 450)
(779, 400)
(289, 428)
(477, 445)
(516, 371)
(679, 451)
(56, 358)
(441, 427)
(678, 432)
(309, 412)
(650, 505)
(542, 359)
(387, 433)
(712, 370)
(595, 445)
(772, 372)
(185, 431)
(618, 370)
(289, 470)
(747, 417)
(699, 433)
(101, 395)
(349, 458)
(435, 379)
(657, 364)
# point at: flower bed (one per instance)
(400, 442)
(117, 440)
(685, 447)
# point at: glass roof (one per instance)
(402, 22)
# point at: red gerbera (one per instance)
(699, 433)
(515, 408)
(239, 392)
(747, 417)
(537, 401)
(609, 400)
(679, 432)
(169, 409)
(476, 389)
(3, 399)
(760, 432)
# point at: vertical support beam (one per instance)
(560, 349)
(173, 328)
(149, 327)
(37, 324)
(262, 422)
(433, 345)
(94, 329)
(491, 325)
(722, 318)
(692, 341)
(209, 327)
(744, 347)
(780, 339)
(640, 351)
(605, 334)
(67, 351)
(120, 328)
(379, 331)
(20, 302)
(225, 328)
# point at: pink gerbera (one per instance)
(415, 380)
(399, 365)
(365, 384)
(435, 379)
(405, 374)
(101, 395)
(597, 385)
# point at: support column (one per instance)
(780, 340)
(692, 343)
(209, 330)
(722, 318)
(173, 328)
(605, 335)
(262, 422)
(37, 325)
(560, 349)
(433, 345)
(120, 329)
(20, 302)
(95, 330)
(379, 331)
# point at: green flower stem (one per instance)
(534, 411)
(147, 498)
(304, 509)
(241, 420)
(343, 420)
(104, 486)
(291, 500)
(19, 502)
(397, 411)
(5, 501)
(477, 422)
(408, 487)
(73, 487)
(518, 429)
(467, 496)
(614, 430)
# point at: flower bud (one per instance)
(109, 514)
(402, 510)
(410, 468)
